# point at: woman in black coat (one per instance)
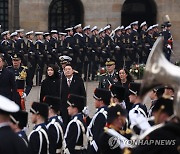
(51, 84)
(124, 79)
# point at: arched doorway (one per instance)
(65, 13)
(141, 10)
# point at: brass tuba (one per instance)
(159, 71)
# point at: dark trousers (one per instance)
(39, 71)
(86, 70)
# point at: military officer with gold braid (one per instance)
(23, 80)
(110, 77)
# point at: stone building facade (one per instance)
(49, 14)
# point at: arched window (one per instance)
(4, 14)
(65, 13)
(141, 10)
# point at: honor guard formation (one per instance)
(122, 122)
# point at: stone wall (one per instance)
(33, 15)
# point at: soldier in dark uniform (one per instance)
(108, 42)
(166, 129)
(76, 129)
(41, 56)
(142, 36)
(54, 39)
(128, 47)
(87, 52)
(48, 49)
(19, 122)
(135, 42)
(32, 59)
(23, 80)
(6, 47)
(118, 95)
(10, 142)
(64, 60)
(96, 127)
(119, 52)
(149, 40)
(21, 46)
(54, 44)
(55, 125)
(38, 138)
(113, 138)
(79, 48)
(69, 41)
(156, 31)
(94, 41)
(155, 94)
(102, 54)
(138, 113)
(168, 40)
(7, 82)
(110, 77)
(14, 38)
(62, 49)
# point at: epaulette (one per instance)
(128, 131)
(9, 66)
(103, 74)
(24, 67)
(126, 151)
(76, 72)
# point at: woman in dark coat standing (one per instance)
(51, 84)
(124, 79)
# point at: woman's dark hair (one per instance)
(55, 68)
(129, 77)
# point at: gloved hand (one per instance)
(117, 47)
(24, 96)
(85, 111)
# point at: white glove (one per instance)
(85, 111)
(53, 50)
(168, 46)
(24, 96)
(117, 47)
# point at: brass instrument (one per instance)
(159, 71)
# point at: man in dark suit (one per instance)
(10, 143)
(7, 82)
(71, 84)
